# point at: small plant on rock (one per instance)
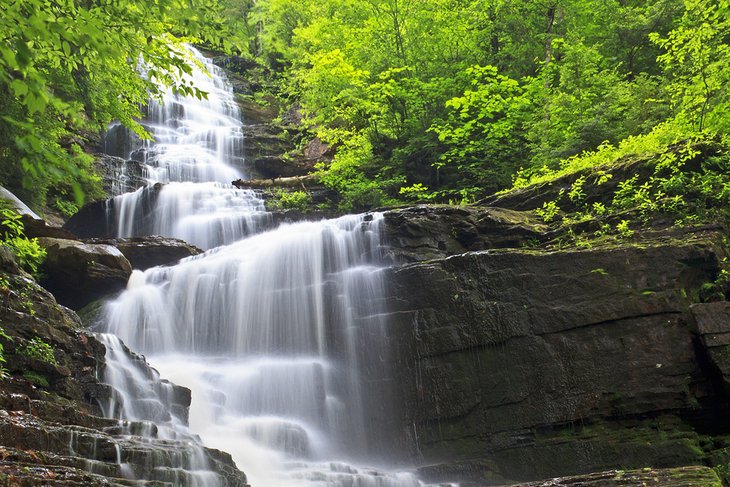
(294, 200)
(3, 337)
(36, 378)
(39, 350)
(624, 230)
(548, 212)
(30, 255)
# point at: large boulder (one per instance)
(145, 252)
(78, 273)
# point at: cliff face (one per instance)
(521, 364)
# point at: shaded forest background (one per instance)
(424, 100)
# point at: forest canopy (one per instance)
(448, 100)
(424, 100)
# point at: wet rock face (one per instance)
(146, 252)
(713, 327)
(98, 219)
(685, 476)
(427, 232)
(270, 150)
(30, 313)
(518, 365)
(78, 273)
(119, 175)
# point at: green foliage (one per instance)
(29, 253)
(681, 184)
(457, 96)
(37, 379)
(658, 141)
(39, 350)
(67, 208)
(348, 174)
(67, 66)
(548, 212)
(290, 200)
(576, 193)
(417, 192)
(624, 230)
(462, 97)
(723, 471)
(483, 128)
(696, 60)
(4, 337)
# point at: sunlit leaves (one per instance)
(67, 65)
(698, 60)
(483, 127)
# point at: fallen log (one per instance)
(290, 182)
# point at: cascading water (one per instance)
(273, 333)
(147, 407)
(269, 334)
(194, 141)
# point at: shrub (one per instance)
(39, 350)
(290, 200)
(30, 255)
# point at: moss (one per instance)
(38, 379)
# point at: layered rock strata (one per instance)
(518, 364)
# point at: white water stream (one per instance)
(195, 154)
(273, 332)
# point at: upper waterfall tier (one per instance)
(193, 139)
(195, 153)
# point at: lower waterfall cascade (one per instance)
(277, 334)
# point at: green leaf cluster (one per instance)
(29, 253)
(289, 200)
(68, 68)
(3, 337)
(39, 350)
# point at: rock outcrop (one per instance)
(33, 225)
(145, 252)
(426, 232)
(646, 477)
(518, 364)
(78, 273)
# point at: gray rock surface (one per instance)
(518, 365)
(145, 252)
(78, 273)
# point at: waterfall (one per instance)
(193, 141)
(280, 335)
(151, 408)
